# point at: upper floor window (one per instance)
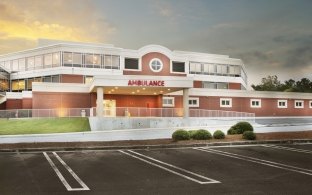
(226, 102)
(156, 65)
(131, 63)
(299, 104)
(178, 67)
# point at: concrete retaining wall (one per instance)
(113, 123)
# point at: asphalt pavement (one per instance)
(260, 169)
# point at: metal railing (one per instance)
(125, 112)
(45, 113)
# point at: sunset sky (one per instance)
(270, 36)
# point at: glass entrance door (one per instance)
(109, 108)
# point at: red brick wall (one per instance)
(46, 100)
(240, 104)
(146, 69)
(197, 84)
(3, 106)
(14, 104)
(27, 103)
(66, 78)
(235, 86)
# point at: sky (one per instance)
(272, 37)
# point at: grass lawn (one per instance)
(34, 126)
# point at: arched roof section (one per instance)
(155, 48)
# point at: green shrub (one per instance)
(249, 135)
(240, 128)
(218, 134)
(201, 135)
(192, 133)
(180, 134)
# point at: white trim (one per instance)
(151, 66)
(255, 100)
(310, 104)
(194, 105)
(281, 106)
(168, 105)
(299, 101)
(171, 67)
(225, 105)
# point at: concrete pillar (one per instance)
(99, 101)
(185, 103)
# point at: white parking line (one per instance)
(61, 177)
(258, 161)
(136, 155)
(288, 148)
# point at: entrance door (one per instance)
(109, 108)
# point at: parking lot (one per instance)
(259, 169)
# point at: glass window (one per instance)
(47, 79)
(219, 69)
(68, 59)
(299, 104)
(282, 103)
(178, 67)
(156, 65)
(38, 62)
(193, 102)
(222, 85)
(48, 60)
(131, 63)
(8, 65)
(192, 68)
(209, 85)
(115, 62)
(255, 103)
(38, 79)
(21, 64)
(15, 65)
(224, 69)
(237, 71)
(89, 60)
(206, 68)
(168, 102)
(231, 70)
(108, 61)
(56, 59)
(29, 84)
(18, 85)
(97, 60)
(226, 102)
(77, 59)
(30, 63)
(212, 68)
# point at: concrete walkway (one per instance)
(135, 134)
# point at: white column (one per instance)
(99, 101)
(185, 103)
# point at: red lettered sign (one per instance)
(147, 83)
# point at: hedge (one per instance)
(240, 128)
(249, 135)
(218, 134)
(180, 134)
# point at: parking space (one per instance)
(262, 169)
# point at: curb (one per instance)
(163, 146)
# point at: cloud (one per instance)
(71, 20)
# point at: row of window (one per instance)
(227, 103)
(256, 103)
(68, 59)
(26, 84)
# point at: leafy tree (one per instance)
(271, 83)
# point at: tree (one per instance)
(270, 83)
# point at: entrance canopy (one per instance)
(140, 85)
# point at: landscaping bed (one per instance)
(170, 142)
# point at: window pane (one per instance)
(21, 64)
(115, 62)
(96, 60)
(108, 61)
(47, 79)
(131, 63)
(48, 60)
(77, 59)
(192, 67)
(38, 62)
(219, 69)
(178, 67)
(67, 59)
(29, 83)
(56, 79)
(206, 68)
(56, 59)
(198, 68)
(15, 65)
(8, 65)
(30, 63)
